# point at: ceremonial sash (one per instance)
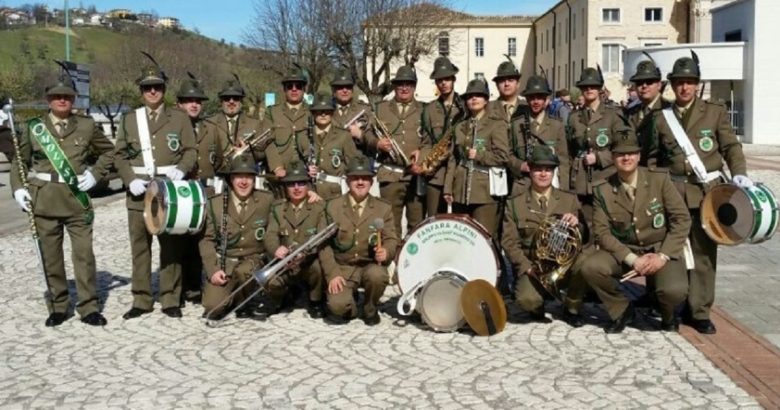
(687, 147)
(58, 159)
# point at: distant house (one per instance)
(168, 22)
(78, 21)
(17, 18)
(122, 14)
(147, 19)
(96, 19)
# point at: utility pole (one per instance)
(67, 32)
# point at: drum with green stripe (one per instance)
(732, 215)
(174, 207)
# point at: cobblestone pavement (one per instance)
(293, 361)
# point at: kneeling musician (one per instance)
(232, 245)
(558, 214)
(365, 244)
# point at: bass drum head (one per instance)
(155, 208)
(732, 215)
(446, 243)
(439, 302)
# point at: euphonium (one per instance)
(556, 246)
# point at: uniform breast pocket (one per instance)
(260, 226)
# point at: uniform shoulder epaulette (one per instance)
(382, 200)
(660, 170)
(215, 195)
(176, 108)
(600, 182)
(278, 202)
(86, 116)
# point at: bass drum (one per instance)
(732, 215)
(174, 207)
(452, 249)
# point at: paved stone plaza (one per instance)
(294, 361)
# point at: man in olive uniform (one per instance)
(641, 116)
(365, 244)
(153, 141)
(542, 131)
(704, 128)
(522, 218)
(348, 107)
(232, 126)
(402, 117)
(332, 146)
(232, 246)
(56, 194)
(591, 130)
(438, 119)
(290, 123)
(640, 222)
(293, 221)
(507, 81)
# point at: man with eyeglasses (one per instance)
(153, 141)
(291, 123)
(402, 118)
(232, 126)
(292, 222)
(56, 195)
(348, 107)
(190, 100)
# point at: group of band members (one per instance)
(622, 177)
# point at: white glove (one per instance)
(175, 174)
(742, 181)
(138, 186)
(86, 181)
(23, 198)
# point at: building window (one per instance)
(735, 35)
(444, 43)
(560, 33)
(540, 43)
(652, 44)
(573, 26)
(479, 76)
(583, 23)
(547, 44)
(610, 15)
(479, 47)
(653, 14)
(511, 44)
(610, 58)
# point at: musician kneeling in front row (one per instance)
(640, 222)
(523, 217)
(293, 221)
(359, 253)
(230, 264)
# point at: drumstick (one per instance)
(632, 274)
(379, 223)
(449, 208)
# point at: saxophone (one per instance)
(439, 153)
(556, 246)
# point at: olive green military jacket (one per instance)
(492, 148)
(353, 245)
(288, 228)
(550, 132)
(209, 159)
(437, 122)
(290, 131)
(244, 235)
(606, 124)
(708, 128)
(405, 129)
(522, 218)
(81, 140)
(657, 221)
(216, 128)
(340, 120)
(173, 143)
(332, 150)
(495, 109)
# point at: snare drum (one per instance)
(436, 260)
(174, 207)
(732, 215)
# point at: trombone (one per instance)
(253, 140)
(359, 118)
(396, 152)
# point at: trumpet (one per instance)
(359, 118)
(253, 140)
(272, 270)
(396, 152)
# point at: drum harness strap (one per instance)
(146, 142)
(687, 147)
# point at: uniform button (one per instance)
(293, 128)
(357, 230)
(587, 129)
(295, 231)
(641, 243)
(154, 148)
(634, 219)
(242, 238)
(242, 226)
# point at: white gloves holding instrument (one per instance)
(175, 174)
(138, 186)
(742, 181)
(23, 198)
(86, 181)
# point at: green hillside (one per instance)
(42, 43)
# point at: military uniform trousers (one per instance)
(170, 264)
(373, 278)
(191, 264)
(240, 270)
(310, 274)
(403, 194)
(50, 230)
(530, 295)
(489, 215)
(434, 199)
(701, 279)
(602, 272)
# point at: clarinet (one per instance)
(223, 233)
(470, 162)
(312, 159)
(527, 137)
